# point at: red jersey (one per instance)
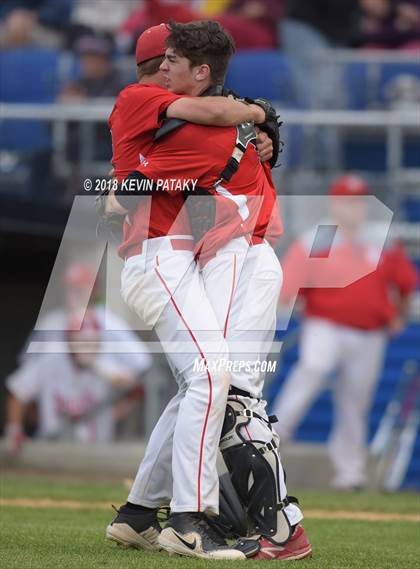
(368, 302)
(137, 114)
(246, 205)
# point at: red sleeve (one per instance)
(403, 273)
(141, 107)
(294, 267)
(158, 100)
(275, 225)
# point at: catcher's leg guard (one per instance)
(254, 469)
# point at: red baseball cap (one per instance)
(151, 43)
(349, 185)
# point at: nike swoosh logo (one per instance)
(186, 543)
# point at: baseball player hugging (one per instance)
(200, 269)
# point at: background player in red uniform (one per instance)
(344, 329)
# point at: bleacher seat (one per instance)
(355, 85)
(367, 154)
(27, 76)
(260, 73)
(23, 135)
(370, 152)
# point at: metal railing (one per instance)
(393, 123)
(377, 56)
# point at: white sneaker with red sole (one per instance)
(298, 547)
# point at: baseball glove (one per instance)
(109, 224)
(271, 126)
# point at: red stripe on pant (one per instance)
(203, 432)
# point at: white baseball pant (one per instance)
(163, 286)
(358, 356)
(243, 284)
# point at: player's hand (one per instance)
(122, 380)
(264, 146)
(106, 205)
(396, 326)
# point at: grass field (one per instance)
(67, 531)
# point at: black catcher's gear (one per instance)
(254, 471)
(109, 224)
(271, 126)
(233, 519)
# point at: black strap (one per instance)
(245, 134)
(236, 391)
(230, 169)
(249, 413)
(269, 447)
(292, 500)
(283, 503)
(286, 501)
(167, 127)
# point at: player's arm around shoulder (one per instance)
(223, 111)
(216, 111)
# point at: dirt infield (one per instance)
(310, 514)
(361, 516)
